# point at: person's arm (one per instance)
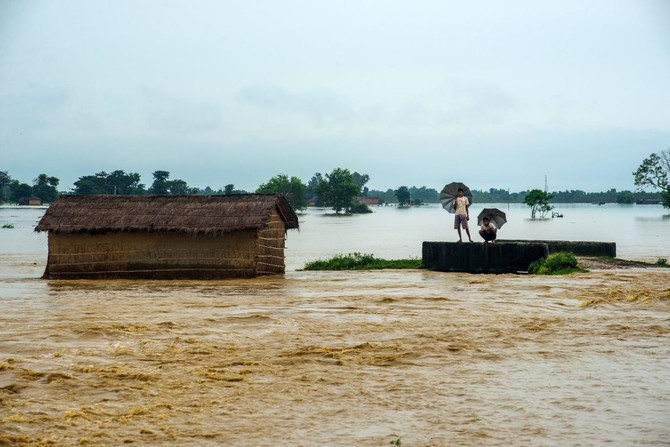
(467, 210)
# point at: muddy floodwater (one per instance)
(333, 358)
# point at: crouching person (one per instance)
(488, 231)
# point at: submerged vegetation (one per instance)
(562, 263)
(358, 261)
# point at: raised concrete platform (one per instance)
(579, 248)
(499, 257)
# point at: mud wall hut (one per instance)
(166, 237)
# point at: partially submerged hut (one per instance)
(166, 237)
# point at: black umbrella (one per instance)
(450, 192)
(494, 214)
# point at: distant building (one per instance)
(166, 237)
(30, 201)
(371, 200)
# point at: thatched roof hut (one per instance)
(167, 236)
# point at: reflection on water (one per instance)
(342, 358)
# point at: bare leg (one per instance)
(467, 230)
(460, 238)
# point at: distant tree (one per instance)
(121, 183)
(19, 191)
(161, 185)
(339, 190)
(361, 180)
(116, 182)
(5, 181)
(313, 185)
(292, 188)
(229, 189)
(403, 195)
(44, 187)
(653, 172)
(423, 194)
(178, 187)
(625, 197)
(91, 184)
(538, 201)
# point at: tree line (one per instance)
(341, 189)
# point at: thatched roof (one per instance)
(209, 215)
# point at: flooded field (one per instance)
(333, 358)
(355, 358)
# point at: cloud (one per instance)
(33, 107)
(319, 106)
(168, 113)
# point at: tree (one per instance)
(654, 172)
(121, 183)
(292, 188)
(160, 186)
(5, 181)
(538, 200)
(163, 186)
(626, 197)
(339, 190)
(403, 195)
(313, 186)
(361, 180)
(19, 191)
(229, 189)
(178, 186)
(91, 184)
(116, 182)
(44, 187)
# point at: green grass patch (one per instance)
(8, 226)
(358, 261)
(660, 262)
(563, 263)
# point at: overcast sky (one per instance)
(492, 93)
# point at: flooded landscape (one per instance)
(336, 358)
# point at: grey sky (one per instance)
(495, 94)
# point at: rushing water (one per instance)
(345, 358)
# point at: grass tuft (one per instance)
(358, 261)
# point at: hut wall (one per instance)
(270, 247)
(151, 255)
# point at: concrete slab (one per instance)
(578, 248)
(499, 257)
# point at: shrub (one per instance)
(360, 208)
(662, 261)
(358, 261)
(557, 264)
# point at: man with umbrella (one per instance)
(462, 208)
(490, 219)
(488, 231)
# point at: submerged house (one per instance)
(166, 237)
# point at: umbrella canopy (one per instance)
(494, 214)
(449, 193)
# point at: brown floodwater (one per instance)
(336, 358)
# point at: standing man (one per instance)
(462, 208)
